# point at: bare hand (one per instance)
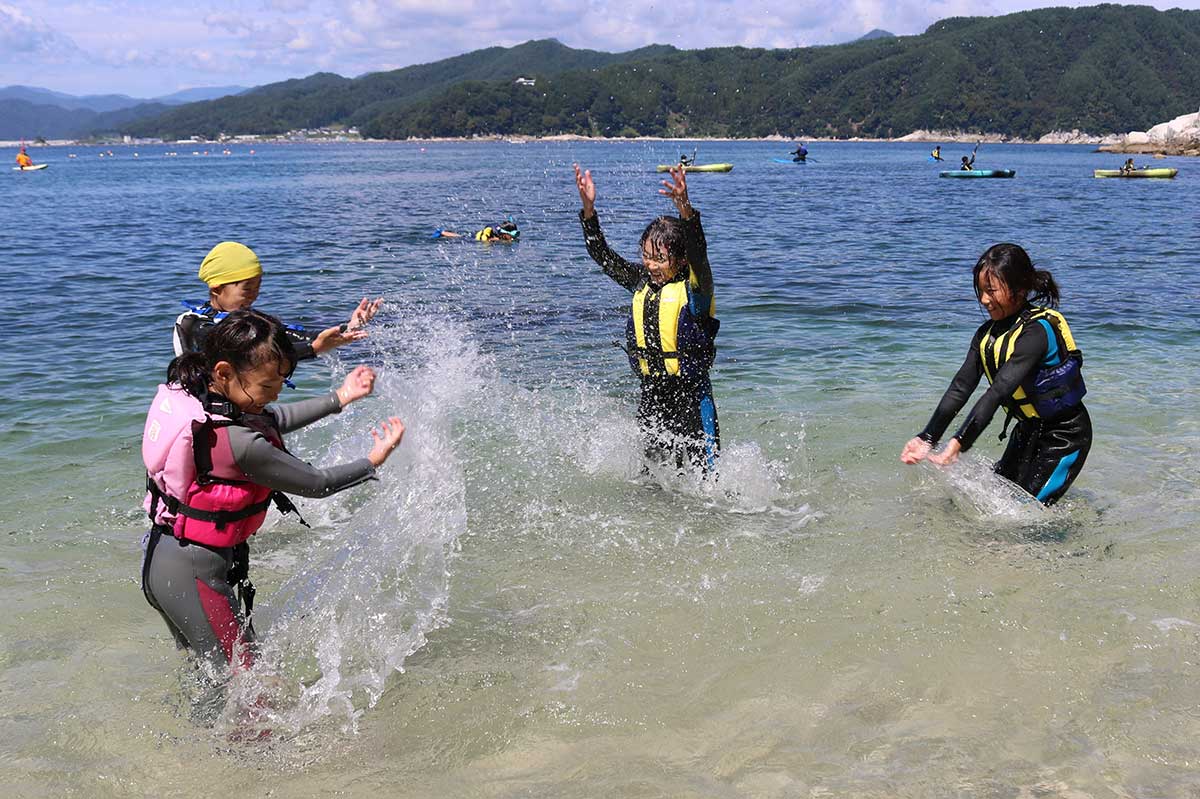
(676, 189)
(364, 313)
(335, 337)
(587, 191)
(948, 455)
(387, 438)
(915, 450)
(358, 384)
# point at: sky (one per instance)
(148, 48)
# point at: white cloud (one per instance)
(24, 38)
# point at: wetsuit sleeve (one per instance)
(626, 273)
(1027, 356)
(267, 465)
(302, 343)
(697, 254)
(294, 415)
(956, 396)
(960, 390)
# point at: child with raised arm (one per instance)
(671, 330)
(234, 276)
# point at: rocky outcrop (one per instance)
(1180, 136)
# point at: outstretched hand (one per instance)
(334, 337)
(387, 438)
(676, 189)
(915, 451)
(948, 455)
(364, 313)
(587, 191)
(358, 384)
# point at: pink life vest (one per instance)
(194, 485)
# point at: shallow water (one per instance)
(514, 610)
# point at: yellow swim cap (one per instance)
(229, 262)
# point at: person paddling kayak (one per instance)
(23, 159)
(800, 153)
(936, 155)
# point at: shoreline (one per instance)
(1106, 144)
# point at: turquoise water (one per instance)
(514, 610)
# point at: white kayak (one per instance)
(33, 168)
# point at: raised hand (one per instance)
(364, 313)
(358, 384)
(676, 189)
(387, 438)
(587, 191)
(334, 337)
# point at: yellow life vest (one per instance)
(1058, 384)
(664, 336)
(485, 234)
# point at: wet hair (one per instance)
(1012, 267)
(665, 234)
(246, 339)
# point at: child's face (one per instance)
(996, 297)
(236, 296)
(250, 389)
(661, 266)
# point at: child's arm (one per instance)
(267, 465)
(697, 247)
(625, 273)
(294, 415)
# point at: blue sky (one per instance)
(149, 47)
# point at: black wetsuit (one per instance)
(677, 413)
(1044, 455)
(192, 327)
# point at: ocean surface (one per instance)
(515, 609)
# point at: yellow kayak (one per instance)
(1159, 172)
(697, 167)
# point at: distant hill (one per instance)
(1098, 69)
(27, 111)
(326, 99)
(877, 33)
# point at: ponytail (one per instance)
(1045, 290)
(245, 340)
(1011, 265)
(191, 372)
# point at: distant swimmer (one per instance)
(23, 159)
(800, 153)
(506, 231)
(1034, 368)
(234, 276)
(671, 330)
(215, 463)
(936, 155)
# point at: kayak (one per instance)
(789, 161)
(696, 167)
(978, 173)
(1161, 172)
(33, 168)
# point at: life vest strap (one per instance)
(220, 518)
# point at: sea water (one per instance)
(515, 608)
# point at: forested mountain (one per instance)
(1099, 69)
(326, 99)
